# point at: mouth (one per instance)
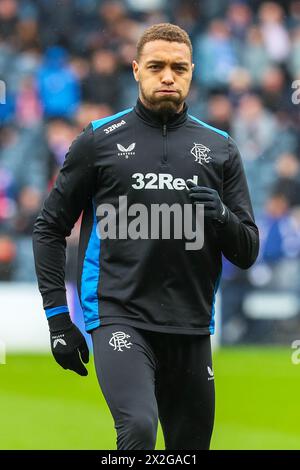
(167, 92)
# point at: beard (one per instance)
(163, 105)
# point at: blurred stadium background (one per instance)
(64, 63)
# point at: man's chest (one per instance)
(151, 160)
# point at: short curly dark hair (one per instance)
(166, 32)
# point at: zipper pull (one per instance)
(164, 130)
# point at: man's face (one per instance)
(164, 73)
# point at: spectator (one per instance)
(57, 84)
(255, 57)
(216, 56)
(102, 84)
(294, 58)
(28, 107)
(8, 20)
(274, 94)
(239, 17)
(220, 112)
(239, 85)
(254, 129)
(274, 33)
(288, 182)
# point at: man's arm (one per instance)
(233, 215)
(72, 192)
(239, 237)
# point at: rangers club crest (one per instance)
(119, 341)
(200, 153)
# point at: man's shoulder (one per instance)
(109, 124)
(211, 129)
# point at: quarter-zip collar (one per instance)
(156, 120)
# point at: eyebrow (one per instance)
(162, 62)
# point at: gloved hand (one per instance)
(213, 206)
(68, 344)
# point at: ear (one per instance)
(135, 69)
(193, 66)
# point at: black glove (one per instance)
(67, 342)
(213, 206)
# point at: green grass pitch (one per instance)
(45, 407)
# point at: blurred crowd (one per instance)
(66, 62)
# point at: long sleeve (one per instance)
(71, 193)
(239, 238)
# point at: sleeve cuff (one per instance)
(51, 312)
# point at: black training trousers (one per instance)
(145, 375)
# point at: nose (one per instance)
(167, 77)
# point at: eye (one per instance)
(154, 67)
